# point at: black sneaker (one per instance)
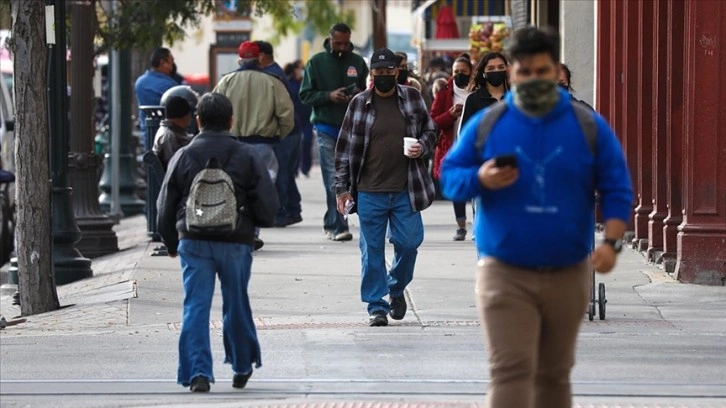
(378, 318)
(294, 219)
(259, 243)
(240, 380)
(398, 307)
(199, 384)
(460, 234)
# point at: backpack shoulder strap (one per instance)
(586, 120)
(487, 123)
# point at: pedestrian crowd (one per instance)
(502, 135)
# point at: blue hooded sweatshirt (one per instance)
(546, 218)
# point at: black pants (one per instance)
(460, 210)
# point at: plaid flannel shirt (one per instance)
(355, 137)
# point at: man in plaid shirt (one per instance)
(385, 183)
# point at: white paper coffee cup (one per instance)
(407, 143)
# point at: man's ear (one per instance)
(199, 122)
(231, 121)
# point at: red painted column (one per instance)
(604, 64)
(642, 113)
(616, 71)
(629, 89)
(674, 132)
(702, 236)
(659, 43)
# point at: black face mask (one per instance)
(384, 83)
(402, 76)
(564, 86)
(462, 80)
(496, 78)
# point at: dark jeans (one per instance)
(306, 149)
(287, 153)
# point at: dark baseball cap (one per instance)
(384, 58)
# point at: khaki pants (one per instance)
(530, 320)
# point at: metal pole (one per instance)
(116, 212)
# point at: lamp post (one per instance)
(98, 237)
(120, 95)
(68, 262)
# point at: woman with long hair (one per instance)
(446, 112)
(488, 84)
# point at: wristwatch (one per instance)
(616, 244)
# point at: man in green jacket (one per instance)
(330, 81)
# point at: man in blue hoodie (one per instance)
(535, 177)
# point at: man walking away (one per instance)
(391, 129)
(153, 83)
(263, 110)
(172, 134)
(213, 239)
(330, 81)
(287, 151)
(535, 161)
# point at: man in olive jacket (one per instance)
(330, 81)
(204, 256)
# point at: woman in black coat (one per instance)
(489, 83)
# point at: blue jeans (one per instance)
(333, 220)
(306, 149)
(201, 261)
(288, 155)
(375, 212)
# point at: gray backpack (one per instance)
(585, 118)
(211, 207)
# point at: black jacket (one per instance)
(475, 102)
(253, 187)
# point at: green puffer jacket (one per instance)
(325, 73)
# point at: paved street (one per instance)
(663, 344)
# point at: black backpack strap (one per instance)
(487, 123)
(586, 120)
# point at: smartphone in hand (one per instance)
(350, 89)
(506, 160)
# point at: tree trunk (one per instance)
(33, 188)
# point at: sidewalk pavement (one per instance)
(660, 337)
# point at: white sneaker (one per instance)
(343, 236)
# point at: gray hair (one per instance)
(246, 62)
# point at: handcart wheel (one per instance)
(591, 311)
(601, 300)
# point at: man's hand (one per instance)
(339, 96)
(456, 110)
(341, 199)
(603, 258)
(415, 151)
(494, 178)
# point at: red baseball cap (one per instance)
(248, 49)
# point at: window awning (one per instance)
(462, 8)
